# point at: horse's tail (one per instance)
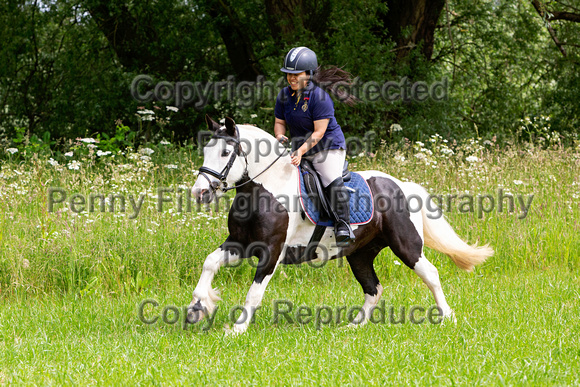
(439, 235)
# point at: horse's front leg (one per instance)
(204, 296)
(267, 264)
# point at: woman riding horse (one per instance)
(308, 111)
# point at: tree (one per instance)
(552, 13)
(411, 23)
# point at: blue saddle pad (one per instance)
(361, 201)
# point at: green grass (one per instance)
(70, 284)
(509, 331)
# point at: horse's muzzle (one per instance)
(204, 195)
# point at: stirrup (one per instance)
(344, 239)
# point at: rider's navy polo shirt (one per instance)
(314, 104)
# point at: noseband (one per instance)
(223, 175)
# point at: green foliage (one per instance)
(64, 75)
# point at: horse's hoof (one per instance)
(449, 319)
(235, 331)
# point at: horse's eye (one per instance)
(225, 152)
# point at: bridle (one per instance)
(223, 175)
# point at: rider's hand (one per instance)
(281, 138)
(296, 157)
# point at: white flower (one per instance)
(472, 159)
(253, 116)
(397, 262)
(163, 142)
(74, 165)
(148, 118)
(52, 162)
(396, 128)
(420, 143)
(146, 112)
(420, 156)
(172, 108)
(145, 158)
(487, 142)
(518, 182)
(69, 154)
(101, 153)
(11, 150)
(92, 146)
(400, 158)
(447, 151)
(146, 151)
(88, 140)
(171, 166)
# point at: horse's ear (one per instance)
(230, 127)
(211, 124)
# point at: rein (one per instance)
(222, 176)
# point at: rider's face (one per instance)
(297, 81)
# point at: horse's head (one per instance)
(224, 161)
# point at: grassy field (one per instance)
(71, 283)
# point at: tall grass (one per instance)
(62, 251)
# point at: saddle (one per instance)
(315, 191)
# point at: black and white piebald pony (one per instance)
(242, 156)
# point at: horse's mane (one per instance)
(257, 132)
(255, 129)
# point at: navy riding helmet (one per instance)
(300, 59)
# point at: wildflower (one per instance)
(518, 182)
(397, 262)
(396, 128)
(148, 118)
(171, 166)
(69, 154)
(146, 151)
(420, 156)
(103, 153)
(172, 109)
(400, 158)
(88, 140)
(472, 159)
(11, 150)
(163, 142)
(74, 165)
(53, 162)
(253, 116)
(447, 151)
(91, 146)
(145, 158)
(420, 143)
(146, 112)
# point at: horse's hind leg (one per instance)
(429, 274)
(410, 251)
(361, 264)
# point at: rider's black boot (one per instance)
(339, 197)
